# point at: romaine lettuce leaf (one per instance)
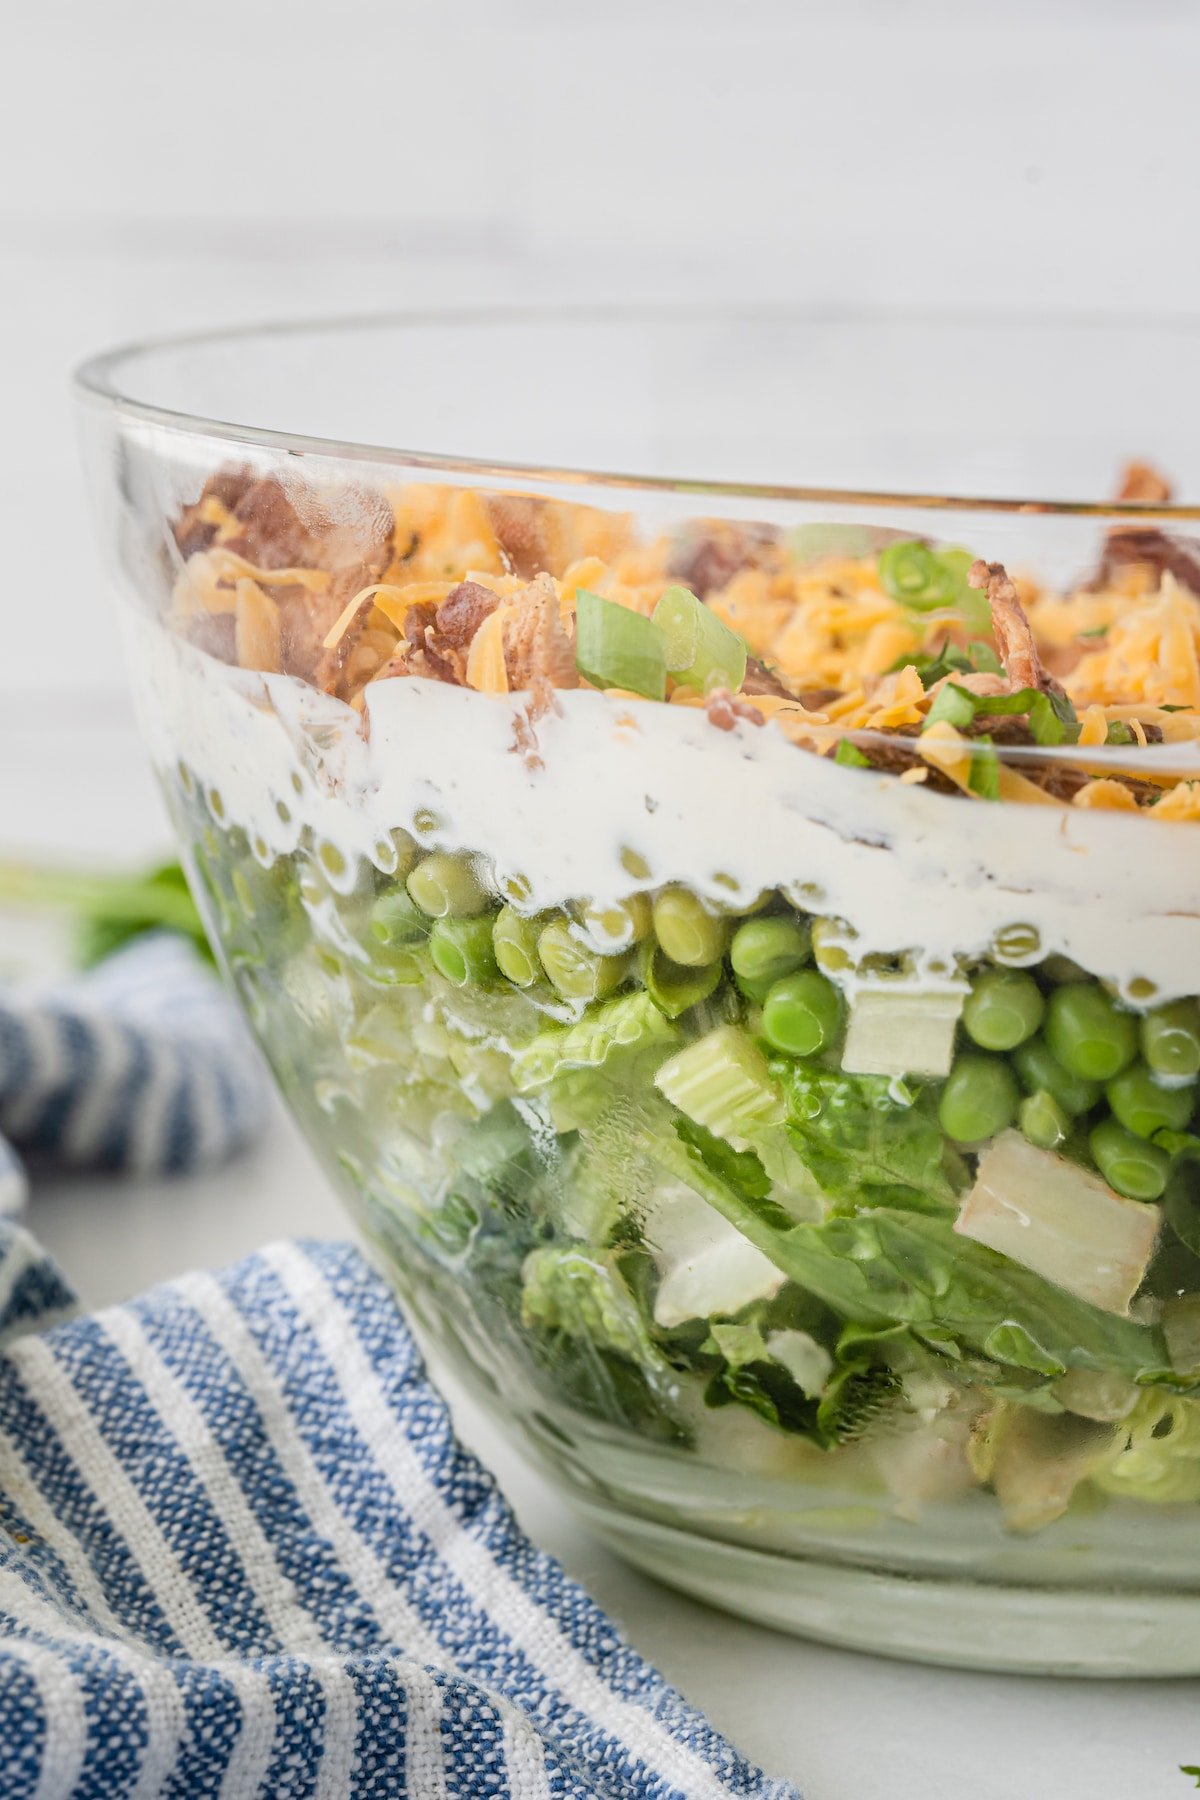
(866, 1140)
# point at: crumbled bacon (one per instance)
(192, 531)
(761, 680)
(711, 551)
(1014, 638)
(1140, 482)
(521, 523)
(538, 653)
(462, 612)
(1165, 552)
(725, 709)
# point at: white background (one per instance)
(166, 166)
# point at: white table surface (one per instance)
(845, 1726)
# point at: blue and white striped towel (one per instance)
(243, 1554)
(141, 1065)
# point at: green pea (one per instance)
(447, 886)
(1128, 1163)
(397, 919)
(802, 1013)
(1170, 1038)
(979, 1098)
(831, 940)
(1144, 1105)
(1043, 1121)
(461, 950)
(575, 970)
(672, 986)
(1039, 1068)
(515, 943)
(618, 925)
(1003, 1009)
(687, 931)
(765, 949)
(1088, 1032)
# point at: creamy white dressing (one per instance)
(630, 794)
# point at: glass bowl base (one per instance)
(1000, 1627)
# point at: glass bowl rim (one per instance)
(98, 381)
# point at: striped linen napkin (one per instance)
(139, 1066)
(242, 1553)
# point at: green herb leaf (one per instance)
(984, 778)
(952, 705)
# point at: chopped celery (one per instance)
(616, 647)
(702, 652)
(706, 1267)
(628, 1022)
(1061, 1221)
(898, 1030)
(723, 1083)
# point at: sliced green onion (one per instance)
(702, 652)
(912, 574)
(850, 756)
(927, 579)
(616, 647)
(812, 543)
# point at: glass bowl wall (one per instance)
(490, 946)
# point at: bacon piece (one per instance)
(759, 679)
(1141, 482)
(462, 612)
(710, 552)
(191, 530)
(523, 527)
(725, 709)
(538, 652)
(1014, 639)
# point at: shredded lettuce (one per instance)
(1157, 1453)
(629, 1022)
(893, 1266)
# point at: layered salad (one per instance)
(746, 979)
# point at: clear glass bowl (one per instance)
(724, 1114)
